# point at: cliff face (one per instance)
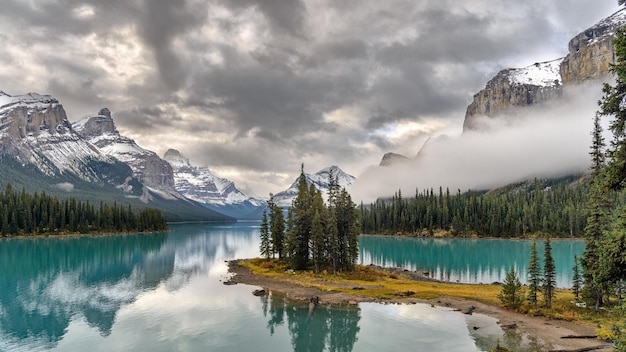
(590, 55)
(147, 166)
(591, 52)
(515, 88)
(34, 128)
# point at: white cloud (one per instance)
(545, 141)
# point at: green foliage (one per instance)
(534, 274)
(511, 295)
(550, 207)
(320, 236)
(265, 248)
(549, 274)
(277, 228)
(24, 213)
(576, 278)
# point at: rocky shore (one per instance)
(560, 335)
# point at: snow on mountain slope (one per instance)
(319, 179)
(201, 185)
(543, 74)
(147, 166)
(34, 128)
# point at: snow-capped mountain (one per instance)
(319, 179)
(34, 129)
(220, 194)
(147, 166)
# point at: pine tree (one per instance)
(549, 274)
(576, 279)
(277, 228)
(302, 218)
(511, 294)
(534, 274)
(318, 228)
(266, 245)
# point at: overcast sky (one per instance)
(253, 88)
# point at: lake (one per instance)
(165, 292)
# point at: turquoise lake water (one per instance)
(165, 292)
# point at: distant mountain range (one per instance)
(319, 179)
(89, 159)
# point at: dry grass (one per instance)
(380, 284)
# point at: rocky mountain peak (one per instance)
(392, 159)
(146, 165)
(175, 158)
(591, 52)
(319, 179)
(590, 55)
(101, 124)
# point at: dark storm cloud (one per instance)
(284, 16)
(284, 80)
(163, 21)
(146, 119)
(278, 102)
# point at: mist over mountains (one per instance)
(527, 122)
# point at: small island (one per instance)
(311, 257)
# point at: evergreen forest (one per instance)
(22, 213)
(557, 208)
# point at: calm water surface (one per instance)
(164, 292)
(467, 260)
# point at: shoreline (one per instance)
(549, 331)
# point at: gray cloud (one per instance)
(510, 150)
(258, 86)
(284, 16)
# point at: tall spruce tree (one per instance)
(277, 228)
(319, 224)
(598, 220)
(302, 219)
(534, 274)
(576, 278)
(549, 274)
(265, 248)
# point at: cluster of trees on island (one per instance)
(40, 213)
(316, 235)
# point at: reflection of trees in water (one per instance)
(314, 329)
(467, 260)
(46, 282)
(51, 280)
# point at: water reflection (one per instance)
(47, 281)
(313, 329)
(466, 260)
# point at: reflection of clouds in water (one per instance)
(68, 290)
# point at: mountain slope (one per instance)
(147, 166)
(40, 152)
(590, 55)
(34, 129)
(219, 194)
(319, 179)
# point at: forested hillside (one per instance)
(24, 213)
(556, 207)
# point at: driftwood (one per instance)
(585, 349)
